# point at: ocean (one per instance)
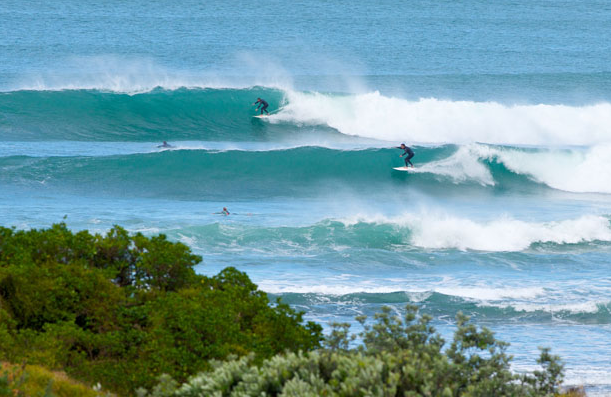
(506, 104)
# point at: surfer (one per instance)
(262, 104)
(406, 151)
(165, 144)
(224, 212)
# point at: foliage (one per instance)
(35, 381)
(398, 357)
(574, 391)
(123, 309)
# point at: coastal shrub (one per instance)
(33, 380)
(122, 309)
(397, 357)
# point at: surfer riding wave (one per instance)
(262, 105)
(406, 151)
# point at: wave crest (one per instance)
(506, 234)
(432, 120)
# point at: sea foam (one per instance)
(432, 120)
(574, 170)
(441, 231)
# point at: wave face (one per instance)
(494, 307)
(216, 169)
(226, 114)
(303, 119)
(92, 115)
(406, 232)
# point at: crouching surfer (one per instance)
(407, 151)
(262, 105)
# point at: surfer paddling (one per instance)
(406, 151)
(165, 145)
(262, 104)
(224, 212)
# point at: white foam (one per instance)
(277, 287)
(573, 170)
(491, 294)
(442, 231)
(145, 230)
(432, 120)
(519, 298)
(585, 375)
(507, 234)
(572, 307)
(462, 166)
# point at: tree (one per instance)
(122, 309)
(397, 357)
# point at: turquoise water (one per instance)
(507, 105)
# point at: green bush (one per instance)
(123, 309)
(35, 381)
(398, 357)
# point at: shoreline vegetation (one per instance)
(128, 314)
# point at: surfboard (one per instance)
(403, 168)
(261, 116)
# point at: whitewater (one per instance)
(507, 106)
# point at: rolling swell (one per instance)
(302, 171)
(226, 114)
(92, 115)
(400, 234)
(306, 171)
(442, 305)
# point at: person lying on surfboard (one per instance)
(224, 212)
(262, 104)
(406, 151)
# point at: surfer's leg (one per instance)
(264, 108)
(407, 160)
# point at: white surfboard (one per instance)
(261, 116)
(404, 168)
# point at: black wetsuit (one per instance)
(263, 105)
(410, 153)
